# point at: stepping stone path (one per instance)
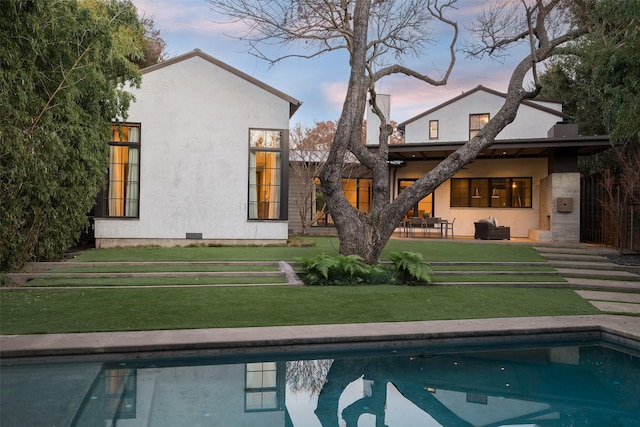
(610, 287)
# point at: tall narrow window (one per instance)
(476, 123)
(433, 129)
(266, 174)
(123, 184)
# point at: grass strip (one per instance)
(88, 310)
(479, 278)
(164, 268)
(150, 281)
(514, 268)
(432, 251)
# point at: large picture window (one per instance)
(123, 184)
(266, 174)
(491, 192)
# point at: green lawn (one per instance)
(431, 250)
(28, 311)
(150, 281)
(104, 309)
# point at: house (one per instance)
(201, 158)
(527, 179)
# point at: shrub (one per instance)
(411, 268)
(340, 270)
(334, 270)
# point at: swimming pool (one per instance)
(586, 384)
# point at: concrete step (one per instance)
(625, 297)
(509, 284)
(563, 250)
(574, 257)
(604, 285)
(587, 265)
(604, 274)
(515, 274)
(616, 307)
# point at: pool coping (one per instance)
(614, 329)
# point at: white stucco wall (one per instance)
(453, 120)
(195, 119)
(521, 220)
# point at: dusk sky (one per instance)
(320, 83)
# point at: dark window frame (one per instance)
(473, 131)
(283, 150)
(416, 208)
(272, 389)
(491, 192)
(102, 201)
(363, 187)
(437, 129)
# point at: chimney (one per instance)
(563, 130)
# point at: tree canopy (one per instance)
(62, 67)
(378, 36)
(599, 81)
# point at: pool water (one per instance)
(590, 385)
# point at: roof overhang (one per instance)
(508, 148)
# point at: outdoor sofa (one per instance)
(488, 230)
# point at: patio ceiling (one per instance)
(516, 148)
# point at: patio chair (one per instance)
(449, 226)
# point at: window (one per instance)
(122, 196)
(356, 190)
(261, 392)
(433, 129)
(491, 192)
(266, 175)
(424, 206)
(476, 123)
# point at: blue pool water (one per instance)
(589, 385)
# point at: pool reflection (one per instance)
(558, 386)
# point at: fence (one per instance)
(606, 218)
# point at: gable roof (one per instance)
(526, 102)
(294, 104)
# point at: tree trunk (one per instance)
(367, 234)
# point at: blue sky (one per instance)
(320, 83)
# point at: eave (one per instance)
(508, 148)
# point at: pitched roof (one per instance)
(294, 104)
(529, 103)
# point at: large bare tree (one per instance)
(378, 35)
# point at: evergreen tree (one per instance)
(62, 67)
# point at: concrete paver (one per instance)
(616, 307)
(614, 285)
(599, 273)
(610, 296)
(587, 268)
